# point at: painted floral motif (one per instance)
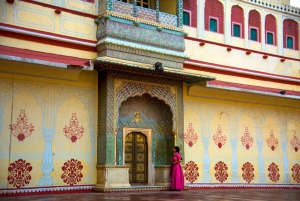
(21, 129)
(219, 139)
(295, 142)
(72, 172)
(273, 172)
(248, 172)
(190, 137)
(247, 140)
(221, 171)
(19, 173)
(272, 141)
(296, 172)
(191, 172)
(73, 131)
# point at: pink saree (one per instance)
(176, 174)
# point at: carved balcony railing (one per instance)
(145, 13)
(277, 5)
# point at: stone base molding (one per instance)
(162, 175)
(112, 176)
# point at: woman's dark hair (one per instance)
(177, 149)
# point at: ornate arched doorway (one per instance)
(153, 118)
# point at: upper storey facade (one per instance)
(254, 35)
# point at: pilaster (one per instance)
(227, 22)
(200, 19)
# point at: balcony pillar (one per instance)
(157, 10)
(179, 13)
(135, 13)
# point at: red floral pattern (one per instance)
(248, 172)
(19, 173)
(272, 141)
(73, 131)
(247, 140)
(221, 171)
(21, 129)
(296, 172)
(72, 172)
(273, 172)
(191, 172)
(219, 139)
(190, 137)
(295, 142)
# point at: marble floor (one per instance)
(191, 195)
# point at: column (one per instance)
(286, 177)
(234, 163)
(279, 21)
(47, 164)
(246, 28)
(200, 19)
(179, 11)
(48, 127)
(227, 22)
(206, 162)
(263, 31)
(261, 166)
(284, 143)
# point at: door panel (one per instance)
(136, 157)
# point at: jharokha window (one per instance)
(142, 3)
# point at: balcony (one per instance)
(145, 13)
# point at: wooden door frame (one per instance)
(148, 134)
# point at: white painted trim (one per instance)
(242, 71)
(41, 35)
(190, 17)
(252, 91)
(40, 62)
(148, 133)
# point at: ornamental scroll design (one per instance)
(125, 89)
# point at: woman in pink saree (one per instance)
(176, 173)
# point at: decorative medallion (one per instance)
(19, 173)
(21, 129)
(219, 139)
(273, 172)
(72, 172)
(295, 142)
(272, 141)
(73, 131)
(296, 172)
(191, 172)
(221, 171)
(248, 172)
(190, 137)
(247, 140)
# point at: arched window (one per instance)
(214, 16)
(190, 6)
(186, 18)
(237, 21)
(270, 27)
(254, 25)
(290, 34)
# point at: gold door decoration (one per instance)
(136, 157)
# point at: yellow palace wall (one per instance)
(49, 105)
(204, 115)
